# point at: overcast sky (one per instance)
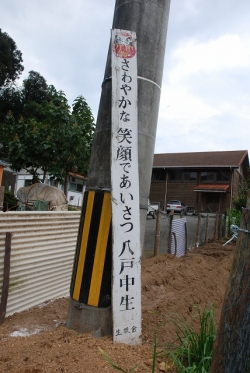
(205, 100)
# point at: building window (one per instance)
(190, 176)
(176, 175)
(27, 182)
(223, 175)
(215, 176)
(76, 185)
(159, 175)
(208, 176)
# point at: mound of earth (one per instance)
(37, 340)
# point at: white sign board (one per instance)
(126, 287)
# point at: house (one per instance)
(75, 188)
(204, 181)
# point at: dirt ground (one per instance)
(37, 340)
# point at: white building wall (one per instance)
(75, 198)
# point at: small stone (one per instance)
(163, 367)
(149, 362)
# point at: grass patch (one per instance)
(192, 351)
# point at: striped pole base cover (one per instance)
(91, 277)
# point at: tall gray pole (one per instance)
(149, 19)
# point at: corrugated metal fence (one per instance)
(42, 252)
(179, 237)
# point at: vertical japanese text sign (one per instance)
(126, 287)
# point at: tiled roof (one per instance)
(211, 188)
(73, 174)
(232, 158)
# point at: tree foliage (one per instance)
(10, 60)
(74, 137)
(36, 95)
(10, 201)
(11, 99)
(40, 131)
(241, 200)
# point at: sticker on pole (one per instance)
(126, 286)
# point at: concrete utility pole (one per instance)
(232, 345)
(149, 19)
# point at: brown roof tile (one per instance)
(73, 174)
(232, 158)
(211, 188)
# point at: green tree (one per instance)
(35, 88)
(10, 60)
(72, 136)
(45, 133)
(27, 101)
(22, 112)
(22, 139)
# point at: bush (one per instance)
(10, 201)
(241, 200)
(234, 217)
(72, 208)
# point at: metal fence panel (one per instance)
(42, 252)
(201, 228)
(178, 237)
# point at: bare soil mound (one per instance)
(37, 340)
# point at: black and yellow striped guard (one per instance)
(91, 278)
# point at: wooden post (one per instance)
(206, 233)
(215, 227)
(157, 232)
(6, 277)
(224, 225)
(171, 216)
(232, 347)
(2, 188)
(1, 173)
(198, 231)
(220, 227)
